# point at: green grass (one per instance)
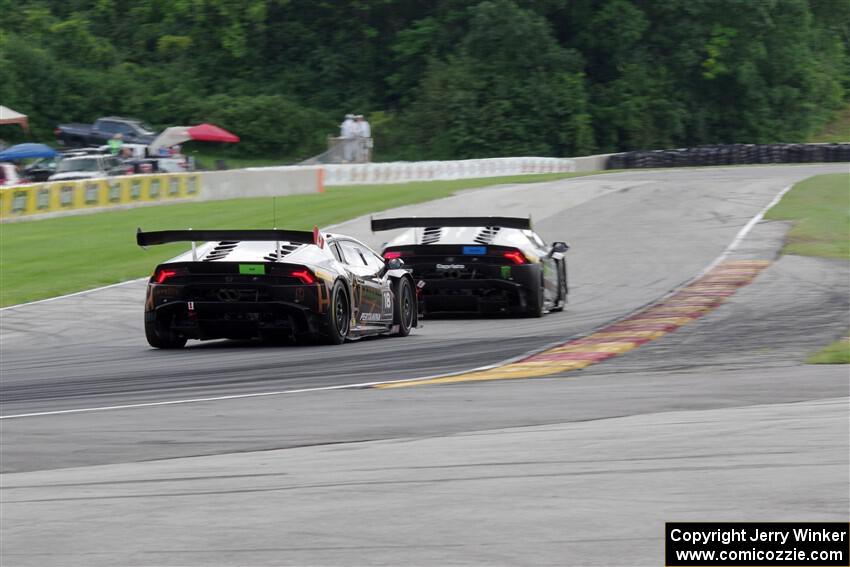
(836, 353)
(820, 210)
(836, 131)
(50, 257)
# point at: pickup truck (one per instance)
(132, 131)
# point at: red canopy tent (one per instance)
(201, 133)
(211, 133)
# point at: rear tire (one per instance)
(534, 302)
(562, 289)
(339, 315)
(160, 338)
(404, 306)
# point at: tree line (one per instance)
(440, 79)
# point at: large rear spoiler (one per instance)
(411, 222)
(166, 236)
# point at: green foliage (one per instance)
(453, 78)
(268, 125)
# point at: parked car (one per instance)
(103, 130)
(89, 167)
(9, 175)
(41, 169)
(142, 161)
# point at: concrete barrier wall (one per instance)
(62, 198)
(261, 182)
(399, 172)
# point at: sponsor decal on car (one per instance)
(252, 269)
(451, 266)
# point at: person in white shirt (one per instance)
(348, 132)
(364, 132)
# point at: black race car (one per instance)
(479, 264)
(264, 283)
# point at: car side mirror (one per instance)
(560, 247)
(395, 263)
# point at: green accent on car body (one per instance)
(506, 272)
(252, 269)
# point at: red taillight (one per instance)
(391, 255)
(163, 275)
(305, 276)
(515, 256)
(57, 132)
(130, 170)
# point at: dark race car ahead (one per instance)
(479, 264)
(268, 283)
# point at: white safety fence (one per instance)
(399, 172)
(41, 200)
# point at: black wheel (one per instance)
(534, 301)
(562, 289)
(339, 315)
(404, 308)
(162, 338)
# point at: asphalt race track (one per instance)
(718, 421)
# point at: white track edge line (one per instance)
(739, 237)
(85, 291)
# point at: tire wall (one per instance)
(731, 154)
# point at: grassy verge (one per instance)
(836, 353)
(819, 207)
(820, 210)
(46, 258)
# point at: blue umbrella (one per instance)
(24, 151)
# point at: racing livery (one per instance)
(268, 283)
(479, 264)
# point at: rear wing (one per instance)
(413, 222)
(274, 235)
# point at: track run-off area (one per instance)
(242, 453)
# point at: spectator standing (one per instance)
(364, 133)
(348, 133)
(115, 143)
